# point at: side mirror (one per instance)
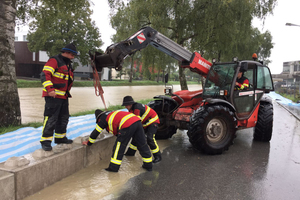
(166, 78)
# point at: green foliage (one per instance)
(55, 23)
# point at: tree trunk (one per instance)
(10, 113)
(157, 78)
(131, 70)
(182, 78)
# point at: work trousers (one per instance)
(136, 132)
(150, 134)
(56, 117)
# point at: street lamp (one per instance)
(290, 24)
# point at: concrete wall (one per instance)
(7, 186)
(20, 179)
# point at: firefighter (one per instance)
(57, 80)
(125, 126)
(150, 122)
(242, 83)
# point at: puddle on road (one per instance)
(94, 182)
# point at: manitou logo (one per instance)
(204, 64)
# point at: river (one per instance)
(84, 98)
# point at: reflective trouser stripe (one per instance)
(60, 135)
(147, 160)
(115, 161)
(45, 122)
(46, 138)
(157, 147)
(114, 158)
(131, 146)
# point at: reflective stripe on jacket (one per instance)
(148, 115)
(243, 83)
(118, 120)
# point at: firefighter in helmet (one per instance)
(125, 126)
(150, 122)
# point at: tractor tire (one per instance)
(264, 126)
(212, 129)
(164, 131)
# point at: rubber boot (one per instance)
(46, 145)
(147, 166)
(157, 157)
(111, 170)
(64, 140)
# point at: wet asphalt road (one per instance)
(249, 170)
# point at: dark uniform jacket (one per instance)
(243, 83)
(148, 115)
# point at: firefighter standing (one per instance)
(150, 122)
(125, 126)
(57, 80)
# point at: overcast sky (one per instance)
(285, 38)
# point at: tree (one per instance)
(74, 12)
(10, 113)
(216, 28)
(60, 22)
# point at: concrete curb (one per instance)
(298, 118)
(18, 182)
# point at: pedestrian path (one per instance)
(26, 140)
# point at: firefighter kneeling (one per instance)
(125, 126)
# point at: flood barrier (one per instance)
(22, 177)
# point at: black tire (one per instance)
(212, 129)
(164, 131)
(264, 126)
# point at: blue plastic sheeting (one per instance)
(280, 98)
(27, 140)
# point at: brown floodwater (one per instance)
(84, 98)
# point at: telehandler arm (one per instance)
(116, 53)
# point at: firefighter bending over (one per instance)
(125, 126)
(150, 122)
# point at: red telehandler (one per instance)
(213, 114)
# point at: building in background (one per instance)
(290, 74)
(30, 64)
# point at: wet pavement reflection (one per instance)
(84, 98)
(249, 170)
